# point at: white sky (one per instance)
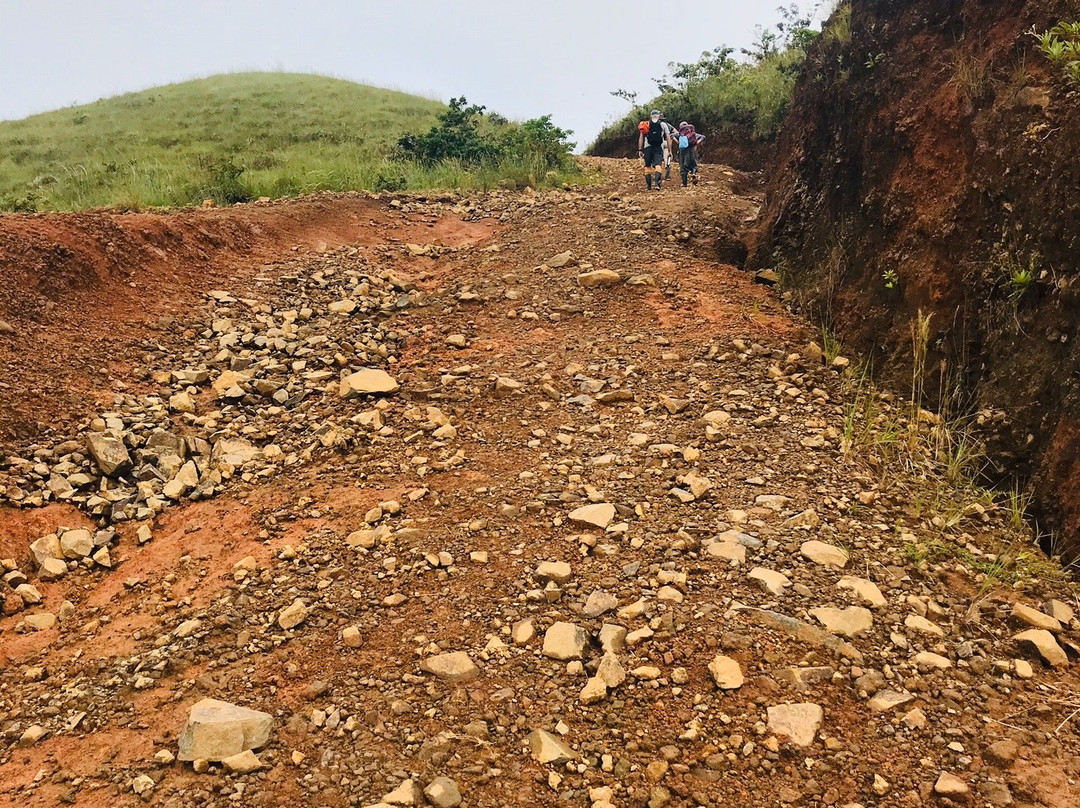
(521, 59)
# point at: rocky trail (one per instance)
(508, 499)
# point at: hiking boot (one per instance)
(693, 179)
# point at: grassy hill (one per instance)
(230, 137)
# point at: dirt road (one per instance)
(599, 533)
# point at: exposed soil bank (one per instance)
(924, 161)
(86, 295)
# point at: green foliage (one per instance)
(525, 152)
(719, 92)
(1018, 270)
(838, 29)
(229, 138)
(892, 280)
(457, 137)
(1061, 46)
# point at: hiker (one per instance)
(669, 146)
(651, 137)
(689, 140)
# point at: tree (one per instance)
(457, 137)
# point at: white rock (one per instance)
(454, 667)
(46, 547)
(558, 571)
(442, 792)
(888, 700)
(523, 632)
(824, 554)
(867, 590)
(1045, 644)
(921, 624)
(40, 621)
(563, 259)
(187, 628)
(771, 581)
(216, 730)
(293, 615)
(598, 515)
(408, 793)
(849, 622)
(77, 543)
(1027, 615)
(599, 602)
(799, 723)
(730, 551)
(611, 671)
(949, 785)
(369, 381)
(185, 480)
(350, 636)
(726, 673)
(565, 641)
(1061, 611)
(612, 638)
(595, 690)
(52, 568)
(926, 659)
(109, 452)
(547, 748)
(143, 784)
(805, 520)
(242, 763)
(598, 277)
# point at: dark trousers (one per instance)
(687, 163)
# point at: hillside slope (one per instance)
(598, 542)
(930, 163)
(276, 133)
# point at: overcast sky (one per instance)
(522, 59)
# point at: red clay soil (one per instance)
(945, 165)
(674, 338)
(81, 290)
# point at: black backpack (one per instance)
(656, 133)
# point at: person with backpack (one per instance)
(669, 146)
(689, 140)
(652, 135)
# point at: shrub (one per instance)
(1061, 45)
(524, 153)
(456, 137)
(226, 185)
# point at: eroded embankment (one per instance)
(929, 164)
(85, 296)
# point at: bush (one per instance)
(26, 203)
(523, 153)
(719, 93)
(226, 185)
(456, 137)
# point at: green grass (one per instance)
(229, 137)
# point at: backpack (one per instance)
(688, 137)
(655, 135)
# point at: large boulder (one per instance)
(109, 452)
(217, 730)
